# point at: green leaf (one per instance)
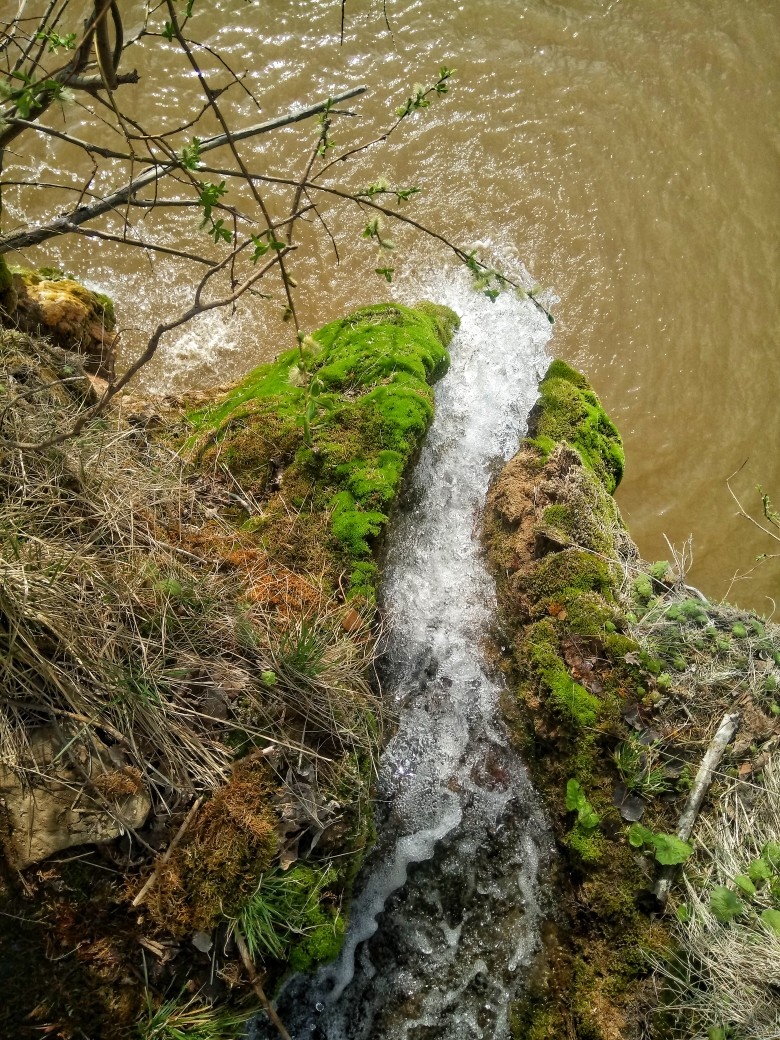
(371, 230)
(682, 913)
(168, 31)
(771, 853)
(724, 904)
(638, 835)
(716, 1033)
(386, 272)
(745, 885)
(209, 196)
(57, 42)
(261, 248)
(268, 678)
(575, 796)
(587, 817)
(189, 156)
(759, 870)
(771, 918)
(670, 850)
(219, 232)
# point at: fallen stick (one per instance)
(257, 985)
(710, 762)
(150, 883)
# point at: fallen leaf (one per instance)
(289, 855)
(351, 620)
(630, 806)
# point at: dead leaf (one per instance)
(630, 806)
(289, 855)
(351, 620)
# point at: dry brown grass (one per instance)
(723, 982)
(132, 611)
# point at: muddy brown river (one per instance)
(624, 151)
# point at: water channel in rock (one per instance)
(446, 917)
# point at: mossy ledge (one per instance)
(198, 649)
(325, 433)
(617, 675)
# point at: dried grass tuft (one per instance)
(724, 980)
(128, 616)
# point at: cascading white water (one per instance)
(446, 912)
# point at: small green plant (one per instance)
(725, 905)
(638, 766)
(284, 906)
(587, 817)
(180, 1019)
(668, 849)
(659, 569)
(302, 647)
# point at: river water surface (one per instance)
(625, 150)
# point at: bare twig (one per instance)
(719, 743)
(152, 879)
(257, 985)
(62, 225)
(743, 512)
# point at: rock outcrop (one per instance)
(618, 676)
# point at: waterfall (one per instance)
(446, 912)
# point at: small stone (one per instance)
(202, 941)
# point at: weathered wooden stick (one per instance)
(167, 854)
(257, 985)
(709, 764)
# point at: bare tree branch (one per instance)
(66, 224)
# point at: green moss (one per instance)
(99, 305)
(569, 410)
(659, 569)
(569, 572)
(642, 588)
(531, 1020)
(588, 846)
(321, 945)
(560, 517)
(343, 465)
(570, 700)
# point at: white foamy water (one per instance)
(446, 914)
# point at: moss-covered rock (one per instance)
(324, 435)
(569, 412)
(559, 549)
(617, 673)
(48, 302)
